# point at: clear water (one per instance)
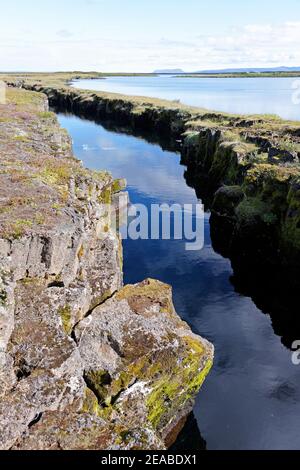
(251, 399)
(232, 95)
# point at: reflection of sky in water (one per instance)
(150, 172)
(232, 95)
(252, 397)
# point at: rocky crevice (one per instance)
(256, 156)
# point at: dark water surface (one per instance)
(251, 399)
(232, 95)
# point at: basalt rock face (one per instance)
(165, 120)
(254, 183)
(85, 363)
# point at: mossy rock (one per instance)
(226, 200)
(142, 361)
(290, 235)
(119, 185)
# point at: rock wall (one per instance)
(85, 363)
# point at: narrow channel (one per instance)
(251, 399)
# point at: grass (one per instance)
(46, 115)
(22, 100)
(18, 228)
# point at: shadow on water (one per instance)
(189, 438)
(274, 299)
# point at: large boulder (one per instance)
(141, 360)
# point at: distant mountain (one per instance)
(253, 70)
(241, 70)
(169, 71)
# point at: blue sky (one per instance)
(142, 35)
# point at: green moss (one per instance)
(225, 165)
(170, 388)
(118, 185)
(191, 138)
(66, 317)
(230, 136)
(57, 206)
(260, 173)
(106, 196)
(289, 146)
(90, 403)
(57, 174)
(101, 176)
(21, 138)
(18, 228)
(227, 199)
(101, 298)
(46, 115)
(253, 208)
(291, 226)
(23, 98)
(97, 380)
(5, 119)
(3, 297)
(40, 218)
(156, 402)
(173, 383)
(151, 289)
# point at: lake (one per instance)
(232, 95)
(251, 399)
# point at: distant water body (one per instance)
(231, 95)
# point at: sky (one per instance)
(144, 35)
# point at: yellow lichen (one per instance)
(66, 316)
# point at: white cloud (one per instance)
(248, 46)
(64, 33)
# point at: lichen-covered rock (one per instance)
(85, 431)
(142, 362)
(7, 323)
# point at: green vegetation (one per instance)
(16, 229)
(252, 209)
(3, 297)
(66, 317)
